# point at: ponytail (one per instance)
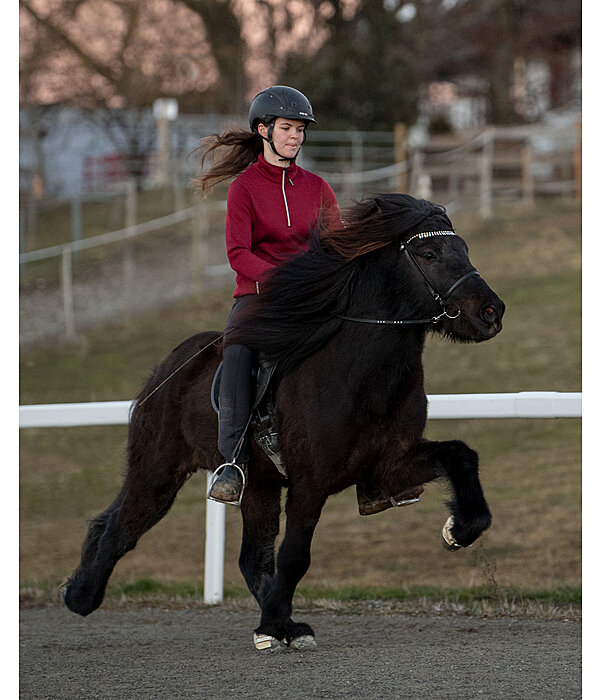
(239, 149)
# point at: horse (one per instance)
(345, 323)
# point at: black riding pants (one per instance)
(235, 393)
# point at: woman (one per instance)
(271, 206)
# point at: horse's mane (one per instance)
(299, 307)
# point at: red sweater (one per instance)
(269, 214)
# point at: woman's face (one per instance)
(288, 135)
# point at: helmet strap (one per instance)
(269, 139)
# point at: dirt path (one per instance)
(208, 654)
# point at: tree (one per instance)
(113, 58)
(497, 32)
(113, 53)
(369, 70)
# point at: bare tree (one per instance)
(113, 58)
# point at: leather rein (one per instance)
(442, 299)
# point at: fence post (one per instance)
(400, 154)
(214, 549)
(200, 249)
(423, 190)
(128, 268)
(76, 218)
(486, 173)
(178, 191)
(577, 163)
(527, 175)
(416, 170)
(357, 159)
(31, 227)
(66, 278)
(22, 238)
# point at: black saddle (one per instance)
(262, 415)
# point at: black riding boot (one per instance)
(228, 484)
(235, 396)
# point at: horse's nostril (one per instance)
(489, 313)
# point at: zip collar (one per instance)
(273, 172)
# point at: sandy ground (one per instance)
(208, 653)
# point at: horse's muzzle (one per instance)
(491, 314)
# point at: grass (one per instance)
(529, 562)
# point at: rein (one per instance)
(441, 299)
(181, 366)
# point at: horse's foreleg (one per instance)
(459, 464)
(261, 508)
(293, 559)
(115, 532)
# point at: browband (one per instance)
(430, 234)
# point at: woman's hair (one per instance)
(230, 154)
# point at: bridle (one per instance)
(442, 299)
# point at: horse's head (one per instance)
(438, 260)
(422, 269)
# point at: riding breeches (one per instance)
(235, 393)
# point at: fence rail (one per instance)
(471, 170)
(524, 404)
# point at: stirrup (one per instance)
(375, 502)
(217, 473)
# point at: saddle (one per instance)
(261, 423)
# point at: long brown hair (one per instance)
(230, 154)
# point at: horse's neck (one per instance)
(389, 352)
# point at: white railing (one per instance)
(524, 404)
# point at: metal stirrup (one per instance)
(216, 475)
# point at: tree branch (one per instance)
(64, 38)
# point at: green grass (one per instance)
(561, 602)
(530, 469)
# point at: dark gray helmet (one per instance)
(279, 101)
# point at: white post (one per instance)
(214, 549)
(164, 110)
(486, 174)
(416, 170)
(66, 277)
(200, 249)
(128, 265)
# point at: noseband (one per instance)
(442, 299)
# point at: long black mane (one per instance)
(302, 300)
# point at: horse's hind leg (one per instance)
(144, 499)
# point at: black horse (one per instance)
(346, 323)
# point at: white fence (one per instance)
(524, 404)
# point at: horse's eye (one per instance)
(428, 255)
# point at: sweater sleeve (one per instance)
(331, 208)
(238, 235)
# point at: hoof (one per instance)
(264, 642)
(448, 540)
(305, 642)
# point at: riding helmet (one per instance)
(279, 101)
